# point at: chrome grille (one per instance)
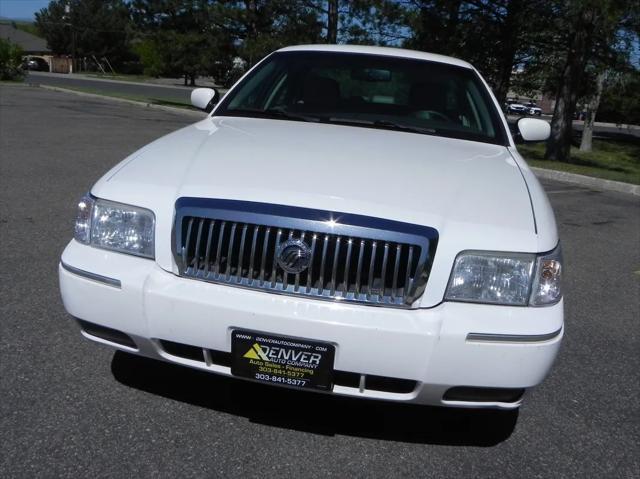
(237, 243)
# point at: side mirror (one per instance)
(204, 98)
(533, 129)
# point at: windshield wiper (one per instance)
(292, 116)
(383, 124)
(392, 125)
(272, 113)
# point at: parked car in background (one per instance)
(515, 108)
(348, 220)
(35, 64)
(533, 109)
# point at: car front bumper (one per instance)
(450, 345)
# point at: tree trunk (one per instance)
(451, 27)
(511, 30)
(332, 21)
(592, 109)
(559, 143)
(192, 80)
(251, 8)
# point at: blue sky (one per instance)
(21, 9)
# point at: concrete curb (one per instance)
(588, 181)
(34, 75)
(171, 109)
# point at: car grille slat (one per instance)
(297, 282)
(377, 270)
(241, 252)
(407, 281)
(347, 268)
(372, 263)
(185, 247)
(207, 254)
(325, 245)
(219, 248)
(229, 258)
(310, 270)
(198, 238)
(385, 257)
(265, 245)
(359, 270)
(253, 252)
(396, 268)
(275, 254)
(334, 269)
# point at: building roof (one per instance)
(28, 42)
(395, 52)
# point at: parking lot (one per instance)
(70, 408)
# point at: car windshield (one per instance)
(372, 91)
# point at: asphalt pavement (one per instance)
(71, 408)
(152, 92)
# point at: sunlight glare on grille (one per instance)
(340, 267)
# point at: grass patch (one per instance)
(140, 98)
(121, 77)
(610, 160)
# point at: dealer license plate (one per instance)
(282, 360)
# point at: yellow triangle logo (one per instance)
(255, 352)
(251, 354)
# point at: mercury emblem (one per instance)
(293, 256)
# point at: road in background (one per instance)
(182, 95)
(600, 129)
(160, 93)
(71, 408)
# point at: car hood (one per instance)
(472, 193)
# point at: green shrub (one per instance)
(10, 61)
(151, 57)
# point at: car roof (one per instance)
(387, 51)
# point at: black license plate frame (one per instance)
(282, 360)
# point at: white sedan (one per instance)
(533, 109)
(348, 220)
(516, 108)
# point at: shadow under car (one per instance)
(313, 412)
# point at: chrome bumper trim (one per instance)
(115, 283)
(512, 338)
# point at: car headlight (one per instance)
(115, 226)
(547, 282)
(515, 279)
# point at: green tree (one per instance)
(372, 22)
(10, 60)
(593, 36)
(151, 56)
(620, 102)
(495, 36)
(183, 37)
(377, 22)
(262, 26)
(87, 28)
